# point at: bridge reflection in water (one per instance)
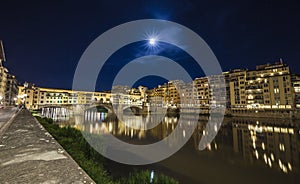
(56, 113)
(260, 144)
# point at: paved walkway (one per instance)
(5, 115)
(29, 154)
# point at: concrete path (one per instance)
(29, 154)
(5, 115)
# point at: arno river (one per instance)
(246, 150)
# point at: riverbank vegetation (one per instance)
(91, 161)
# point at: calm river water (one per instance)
(246, 150)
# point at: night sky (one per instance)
(44, 40)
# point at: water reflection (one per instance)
(273, 143)
(276, 144)
(57, 114)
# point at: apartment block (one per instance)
(237, 86)
(8, 83)
(296, 89)
(268, 87)
(173, 93)
(173, 96)
(3, 79)
(157, 96)
(3, 74)
(201, 91)
(11, 91)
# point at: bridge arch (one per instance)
(134, 109)
(131, 106)
(108, 107)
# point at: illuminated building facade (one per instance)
(296, 86)
(8, 83)
(272, 87)
(173, 96)
(268, 87)
(11, 91)
(35, 97)
(165, 94)
(157, 95)
(237, 82)
(3, 78)
(3, 74)
(201, 91)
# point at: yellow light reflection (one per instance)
(209, 147)
(263, 146)
(256, 154)
(290, 166)
(265, 158)
(272, 157)
(216, 146)
(269, 161)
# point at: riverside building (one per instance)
(36, 97)
(8, 83)
(268, 87)
(11, 91)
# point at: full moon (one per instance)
(152, 41)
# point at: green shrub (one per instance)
(138, 177)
